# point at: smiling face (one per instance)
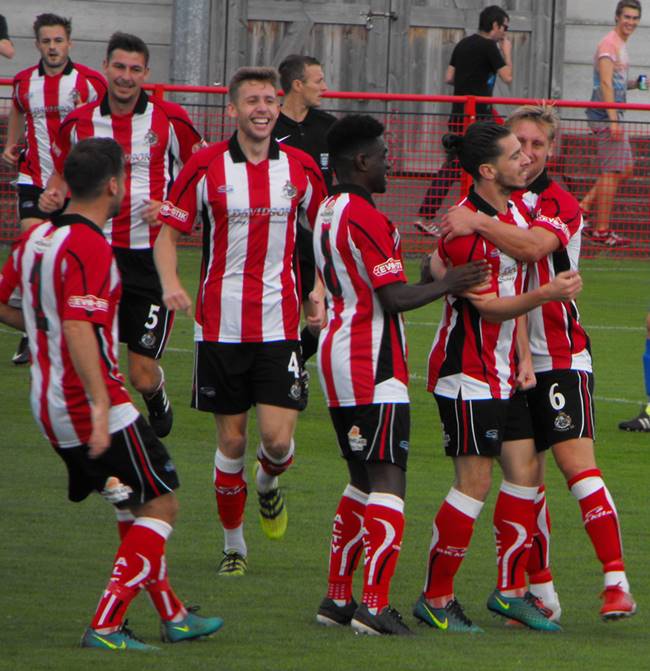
(535, 143)
(627, 21)
(256, 108)
(511, 168)
(54, 45)
(126, 73)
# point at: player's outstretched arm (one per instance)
(166, 259)
(564, 287)
(523, 244)
(400, 297)
(81, 340)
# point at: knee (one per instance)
(232, 446)
(277, 449)
(144, 377)
(476, 485)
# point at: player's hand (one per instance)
(458, 221)
(470, 276)
(100, 438)
(425, 269)
(150, 212)
(317, 317)
(176, 298)
(51, 200)
(10, 154)
(565, 287)
(525, 374)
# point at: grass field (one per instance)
(56, 556)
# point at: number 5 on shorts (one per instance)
(152, 319)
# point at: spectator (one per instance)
(642, 421)
(6, 45)
(611, 65)
(475, 63)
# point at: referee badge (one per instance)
(289, 191)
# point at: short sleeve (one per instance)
(468, 248)
(188, 137)
(86, 283)
(559, 213)
(378, 243)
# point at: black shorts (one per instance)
(472, 428)
(306, 261)
(28, 196)
(135, 456)
(562, 406)
(229, 378)
(519, 425)
(145, 324)
(377, 432)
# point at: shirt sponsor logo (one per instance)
(89, 302)
(138, 157)
(554, 222)
(508, 273)
(168, 209)
(242, 215)
(389, 267)
(44, 110)
(225, 188)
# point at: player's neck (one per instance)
(122, 108)
(96, 211)
(493, 194)
(294, 108)
(53, 72)
(255, 151)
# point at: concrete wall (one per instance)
(93, 21)
(587, 21)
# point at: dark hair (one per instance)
(489, 15)
(43, 20)
(127, 42)
(292, 68)
(347, 136)
(631, 4)
(247, 74)
(479, 145)
(90, 164)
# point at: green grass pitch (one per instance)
(56, 556)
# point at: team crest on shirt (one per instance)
(289, 190)
(148, 340)
(75, 97)
(151, 138)
(356, 441)
(563, 422)
(390, 266)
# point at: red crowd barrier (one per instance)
(413, 132)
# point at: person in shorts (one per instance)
(249, 192)
(70, 290)
(364, 374)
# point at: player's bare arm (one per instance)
(564, 287)
(400, 297)
(81, 340)
(317, 316)
(165, 257)
(12, 317)
(523, 244)
(525, 371)
(53, 196)
(15, 131)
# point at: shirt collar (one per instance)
(66, 70)
(140, 106)
(356, 189)
(540, 183)
(69, 219)
(480, 204)
(238, 155)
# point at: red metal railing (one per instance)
(414, 126)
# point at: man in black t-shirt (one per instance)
(302, 125)
(475, 63)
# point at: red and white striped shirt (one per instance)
(45, 100)
(472, 357)
(362, 351)
(557, 340)
(247, 289)
(65, 271)
(157, 139)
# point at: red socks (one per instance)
(138, 560)
(452, 532)
(514, 519)
(384, 526)
(539, 559)
(347, 543)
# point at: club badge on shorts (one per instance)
(148, 340)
